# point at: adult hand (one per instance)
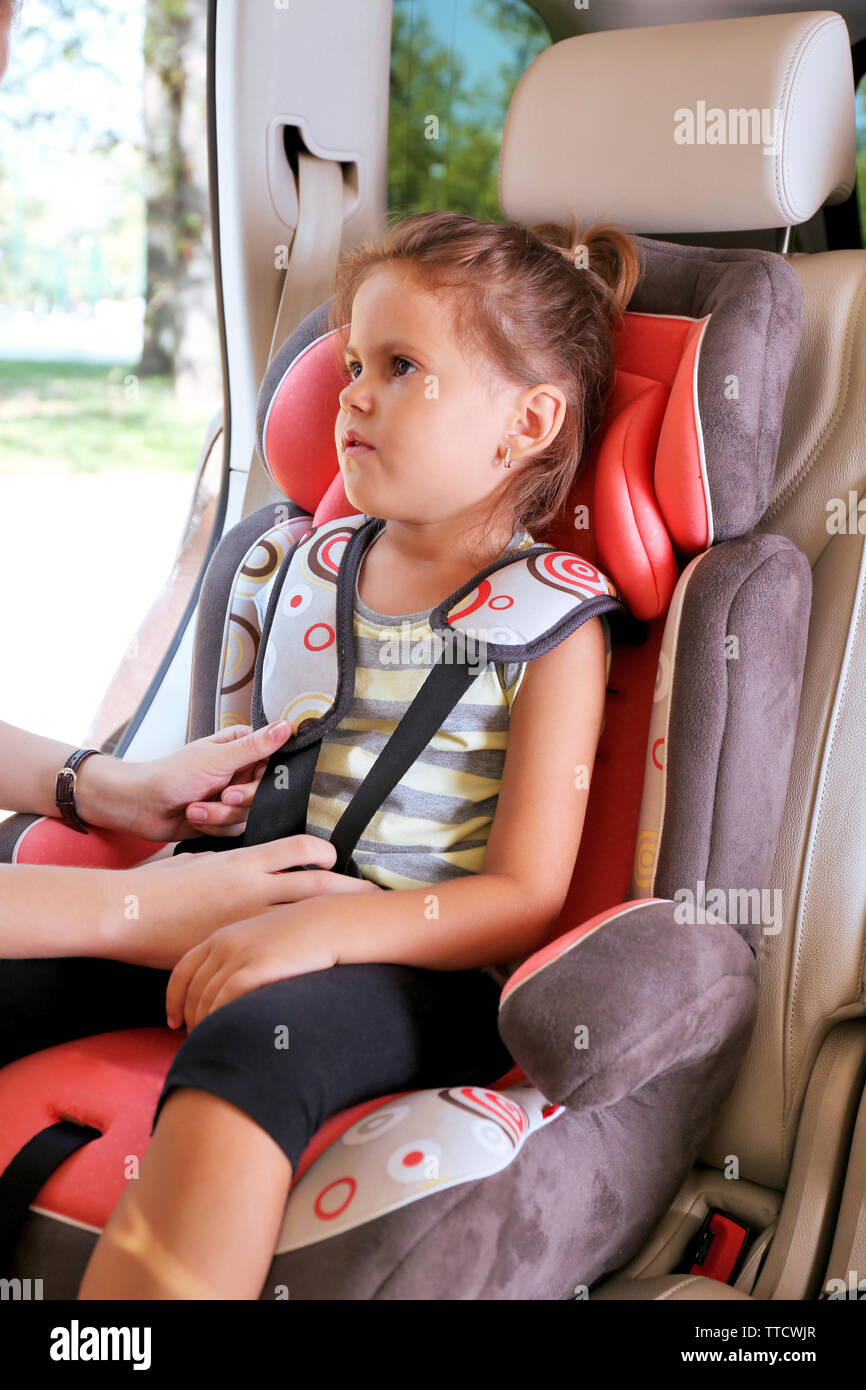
(159, 800)
(156, 912)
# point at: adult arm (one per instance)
(29, 765)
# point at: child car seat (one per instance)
(668, 1052)
(513, 610)
(693, 733)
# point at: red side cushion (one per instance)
(51, 841)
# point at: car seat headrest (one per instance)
(695, 146)
(686, 452)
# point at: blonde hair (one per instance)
(539, 303)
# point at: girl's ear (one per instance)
(544, 408)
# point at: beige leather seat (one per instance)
(783, 1144)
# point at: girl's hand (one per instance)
(245, 956)
(156, 912)
(206, 787)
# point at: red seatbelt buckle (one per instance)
(719, 1246)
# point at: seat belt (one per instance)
(309, 280)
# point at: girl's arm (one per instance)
(505, 911)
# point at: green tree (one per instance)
(168, 169)
(444, 130)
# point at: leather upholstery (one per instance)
(632, 171)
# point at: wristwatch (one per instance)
(64, 791)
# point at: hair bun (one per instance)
(605, 249)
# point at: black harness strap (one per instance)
(29, 1171)
(278, 808)
(280, 805)
(440, 692)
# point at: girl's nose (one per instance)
(354, 393)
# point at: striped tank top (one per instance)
(434, 823)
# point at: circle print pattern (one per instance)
(243, 641)
(663, 678)
(645, 858)
(375, 1124)
(323, 558)
(305, 708)
(296, 600)
(491, 1137)
(332, 1201)
(265, 566)
(562, 570)
(411, 1162)
(319, 637)
(472, 602)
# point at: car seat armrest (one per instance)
(635, 992)
(32, 839)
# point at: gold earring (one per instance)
(506, 462)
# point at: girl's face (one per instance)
(436, 422)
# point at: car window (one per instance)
(109, 352)
(454, 66)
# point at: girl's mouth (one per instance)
(354, 449)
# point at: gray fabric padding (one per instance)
(53, 1251)
(756, 302)
(733, 721)
(213, 602)
(691, 987)
(576, 1203)
(11, 830)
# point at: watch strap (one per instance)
(64, 790)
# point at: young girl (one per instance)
(479, 362)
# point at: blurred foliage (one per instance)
(64, 45)
(82, 238)
(456, 166)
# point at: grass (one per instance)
(82, 417)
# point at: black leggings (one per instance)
(290, 1054)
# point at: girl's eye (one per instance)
(350, 366)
